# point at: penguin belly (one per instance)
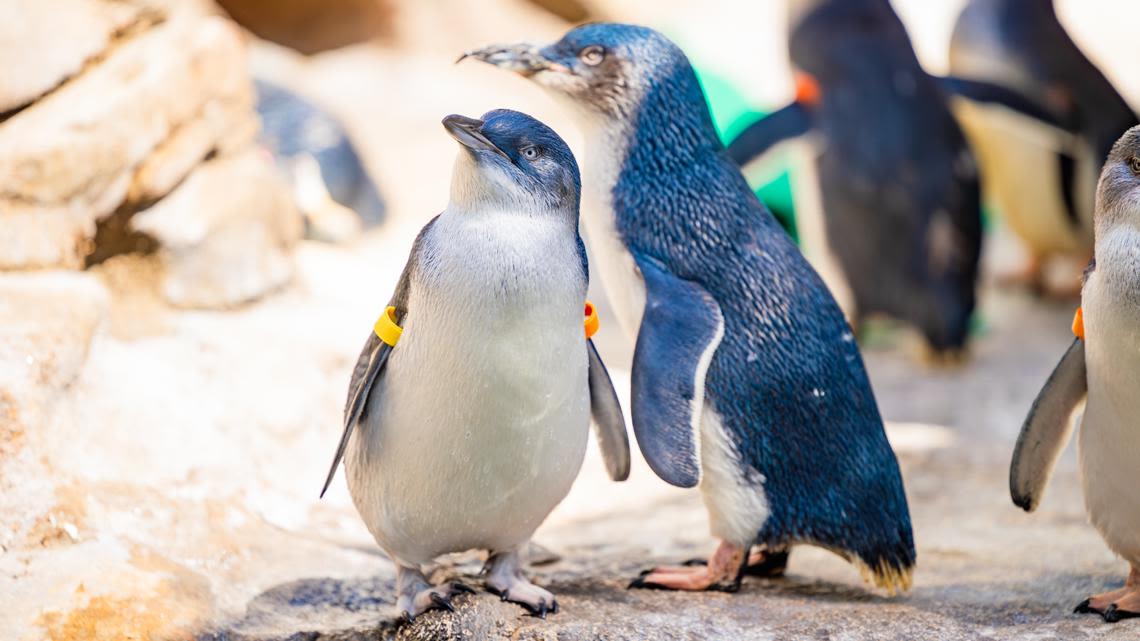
(1021, 174)
(1109, 441)
(479, 424)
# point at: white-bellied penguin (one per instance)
(468, 410)
(746, 378)
(1039, 169)
(1102, 368)
(887, 184)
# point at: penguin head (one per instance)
(1118, 193)
(841, 41)
(605, 68)
(512, 161)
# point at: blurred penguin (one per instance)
(1040, 170)
(887, 183)
(330, 184)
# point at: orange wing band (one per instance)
(591, 321)
(1079, 324)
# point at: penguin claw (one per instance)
(695, 562)
(1083, 607)
(456, 586)
(442, 602)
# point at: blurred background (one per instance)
(203, 207)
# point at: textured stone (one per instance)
(62, 35)
(226, 234)
(158, 104)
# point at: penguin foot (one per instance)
(1115, 605)
(767, 563)
(721, 573)
(505, 578)
(437, 597)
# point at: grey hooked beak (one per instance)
(466, 131)
(523, 59)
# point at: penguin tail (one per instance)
(892, 575)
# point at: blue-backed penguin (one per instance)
(1102, 368)
(470, 429)
(331, 185)
(746, 378)
(887, 185)
(1040, 172)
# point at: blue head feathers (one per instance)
(526, 158)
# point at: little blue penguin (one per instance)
(887, 187)
(1039, 170)
(1102, 368)
(331, 185)
(469, 407)
(746, 378)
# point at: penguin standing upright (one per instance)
(888, 190)
(1101, 367)
(1040, 172)
(469, 406)
(746, 378)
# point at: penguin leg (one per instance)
(1117, 604)
(505, 578)
(416, 595)
(767, 563)
(723, 572)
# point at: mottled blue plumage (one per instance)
(557, 175)
(787, 378)
(899, 185)
(292, 127)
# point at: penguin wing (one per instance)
(680, 330)
(370, 364)
(1047, 429)
(609, 422)
(761, 136)
(368, 367)
(996, 95)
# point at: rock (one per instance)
(48, 322)
(63, 36)
(226, 234)
(134, 124)
(312, 26)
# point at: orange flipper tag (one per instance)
(591, 321)
(1079, 324)
(386, 328)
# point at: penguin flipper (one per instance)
(371, 362)
(608, 420)
(1047, 429)
(1013, 101)
(758, 138)
(680, 330)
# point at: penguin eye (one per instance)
(592, 55)
(530, 152)
(1134, 165)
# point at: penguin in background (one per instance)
(469, 407)
(887, 181)
(746, 378)
(1102, 369)
(1039, 170)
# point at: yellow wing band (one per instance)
(1079, 324)
(386, 328)
(591, 321)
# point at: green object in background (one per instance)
(731, 115)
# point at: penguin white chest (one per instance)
(479, 424)
(1109, 441)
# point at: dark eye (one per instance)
(1134, 165)
(530, 153)
(592, 55)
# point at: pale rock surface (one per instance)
(134, 124)
(226, 234)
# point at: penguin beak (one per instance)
(523, 58)
(467, 132)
